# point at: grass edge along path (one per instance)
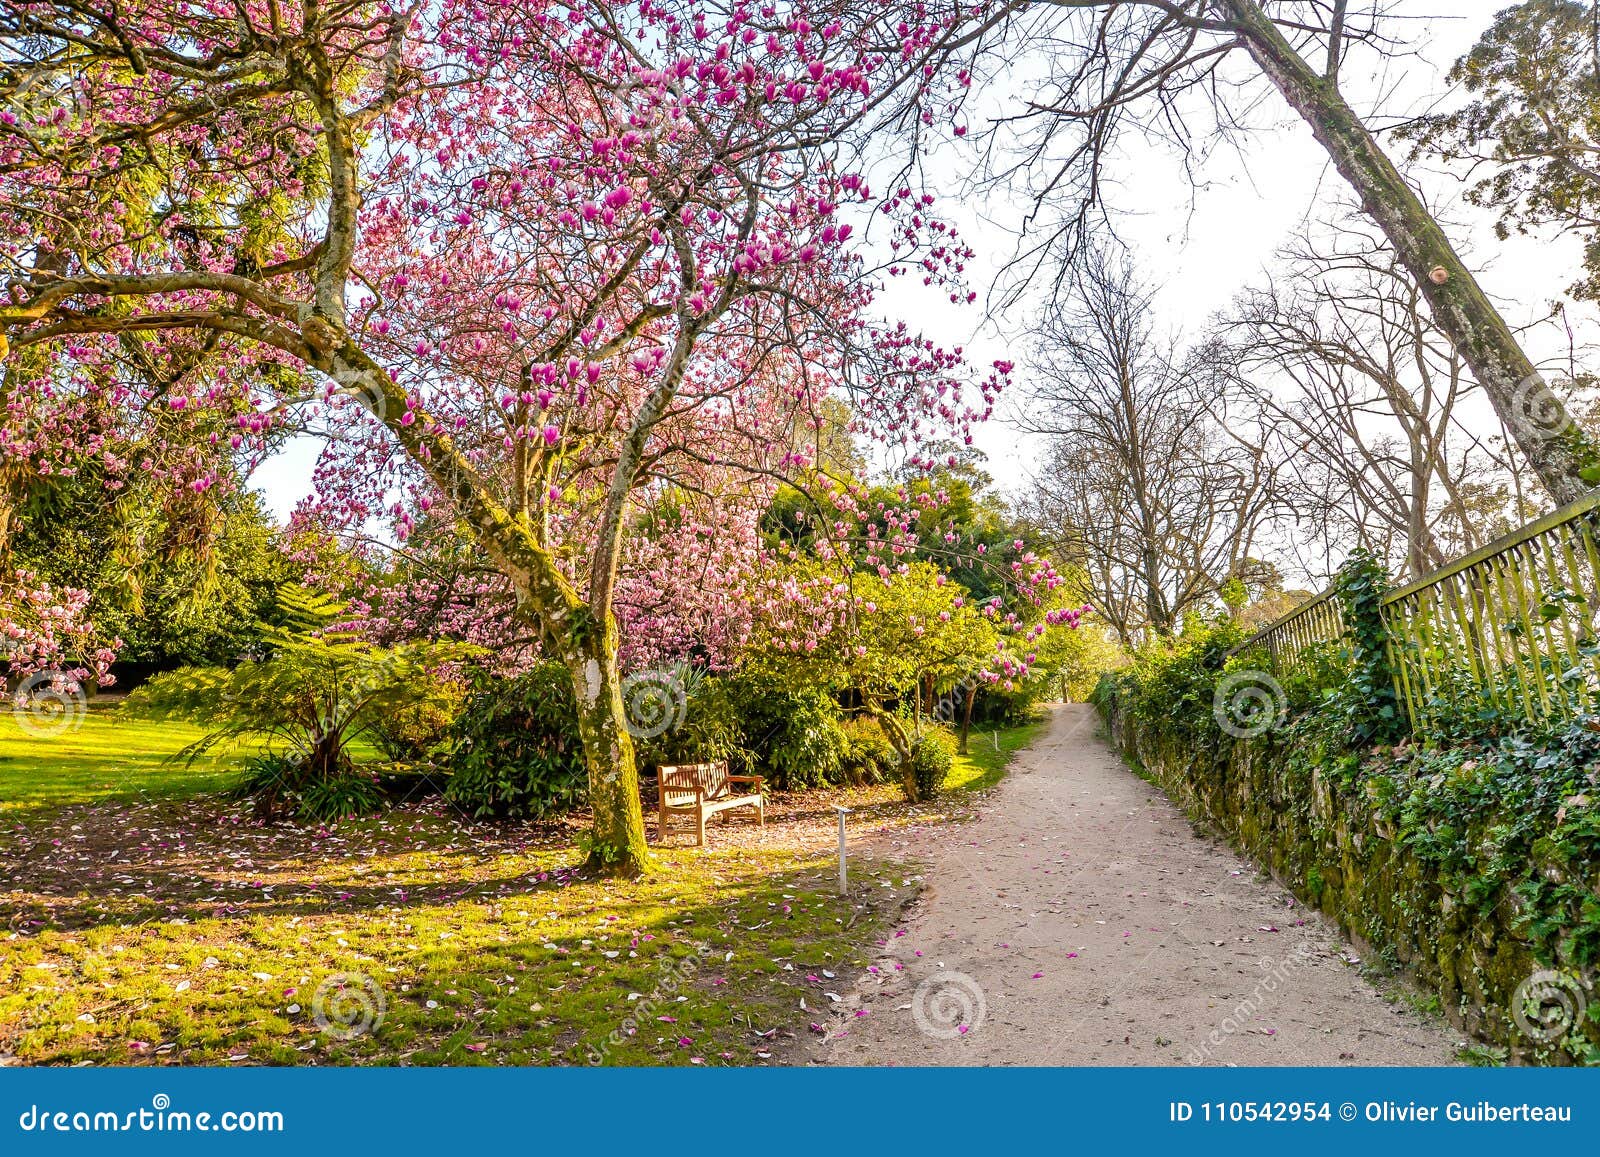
(990, 753)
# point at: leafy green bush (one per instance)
(313, 694)
(791, 732)
(932, 755)
(344, 797)
(413, 729)
(515, 750)
(1319, 671)
(712, 729)
(1370, 706)
(1175, 683)
(284, 785)
(274, 782)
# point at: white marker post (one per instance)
(844, 887)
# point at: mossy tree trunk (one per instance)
(1565, 459)
(326, 760)
(618, 839)
(581, 633)
(966, 717)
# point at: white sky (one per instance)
(1204, 245)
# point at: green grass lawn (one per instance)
(417, 939)
(101, 757)
(160, 924)
(988, 754)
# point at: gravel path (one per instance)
(1080, 920)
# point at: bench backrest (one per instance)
(712, 777)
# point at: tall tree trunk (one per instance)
(966, 717)
(1154, 598)
(619, 844)
(1565, 459)
(1417, 533)
(14, 475)
(583, 638)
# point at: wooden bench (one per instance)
(702, 790)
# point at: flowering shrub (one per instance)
(45, 631)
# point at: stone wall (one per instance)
(1332, 848)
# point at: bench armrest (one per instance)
(696, 791)
(755, 779)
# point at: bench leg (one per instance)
(761, 816)
(701, 817)
(661, 826)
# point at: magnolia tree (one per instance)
(863, 607)
(547, 267)
(685, 569)
(98, 420)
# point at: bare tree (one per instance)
(1148, 483)
(1370, 403)
(1111, 64)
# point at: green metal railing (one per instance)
(1509, 628)
(1317, 620)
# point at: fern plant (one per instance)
(316, 690)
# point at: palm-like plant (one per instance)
(316, 690)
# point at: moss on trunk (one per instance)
(1562, 455)
(617, 841)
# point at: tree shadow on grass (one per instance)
(715, 959)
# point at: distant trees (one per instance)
(1153, 65)
(1530, 135)
(1156, 480)
(1368, 404)
(177, 577)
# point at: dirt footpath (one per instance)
(1080, 920)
